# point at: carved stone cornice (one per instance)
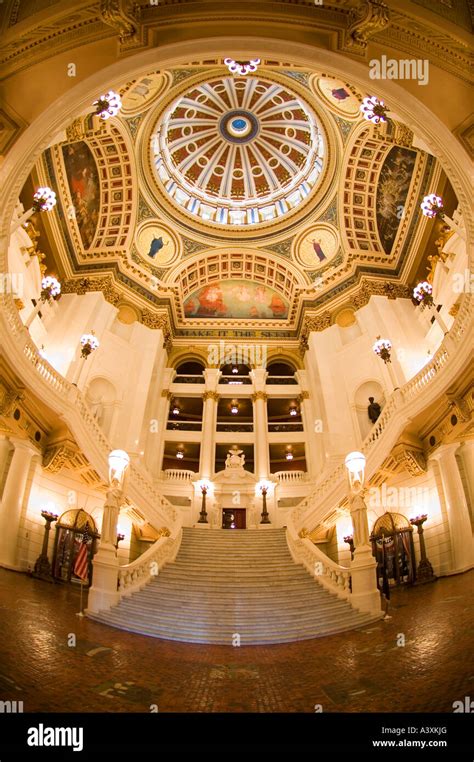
(123, 16)
(9, 400)
(303, 396)
(211, 396)
(259, 396)
(105, 284)
(166, 393)
(460, 408)
(413, 460)
(370, 17)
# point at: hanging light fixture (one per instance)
(108, 105)
(44, 200)
(234, 408)
(373, 110)
(423, 293)
(293, 411)
(50, 288)
(289, 455)
(235, 369)
(180, 454)
(432, 206)
(90, 343)
(382, 348)
(176, 409)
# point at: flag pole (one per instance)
(80, 605)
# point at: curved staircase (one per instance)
(228, 582)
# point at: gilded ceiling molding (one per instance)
(414, 461)
(370, 17)
(58, 456)
(460, 408)
(9, 400)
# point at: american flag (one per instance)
(81, 567)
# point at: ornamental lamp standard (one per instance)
(382, 348)
(374, 110)
(355, 464)
(425, 570)
(423, 294)
(108, 105)
(50, 290)
(264, 487)
(204, 486)
(432, 206)
(119, 462)
(42, 568)
(44, 199)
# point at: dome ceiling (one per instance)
(272, 181)
(238, 150)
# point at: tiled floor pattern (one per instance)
(114, 671)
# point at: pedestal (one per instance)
(103, 594)
(365, 594)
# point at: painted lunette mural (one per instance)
(236, 299)
(83, 179)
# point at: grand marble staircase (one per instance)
(228, 582)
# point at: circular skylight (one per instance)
(238, 151)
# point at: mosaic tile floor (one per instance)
(55, 661)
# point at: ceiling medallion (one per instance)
(316, 246)
(236, 151)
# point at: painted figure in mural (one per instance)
(156, 246)
(211, 302)
(373, 410)
(318, 250)
(339, 93)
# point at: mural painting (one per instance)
(236, 299)
(392, 192)
(81, 171)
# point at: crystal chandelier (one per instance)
(50, 288)
(108, 105)
(235, 67)
(432, 205)
(89, 342)
(382, 348)
(423, 293)
(374, 110)
(43, 200)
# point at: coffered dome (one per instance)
(237, 151)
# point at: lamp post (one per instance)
(432, 206)
(350, 541)
(425, 570)
(423, 294)
(42, 568)
(264, 514)
(50, 290)
(203, 514)
(382, 348)
(365, 595)
(103, 593)
(120, 537)
(44, 199)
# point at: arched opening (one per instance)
(189, 372)
(369, 400)
(72, 527)
(280, 372)
(394, 551)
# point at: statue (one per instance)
(112, 507)
(359, 521)
(97, 409)
(373, 410)
(235, 458)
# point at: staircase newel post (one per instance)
(365, 594)
(104, 592)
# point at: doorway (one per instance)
(233, 518)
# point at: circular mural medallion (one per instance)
(156, 244)
(317, 246)
(142, 93)
(238, 151)
(337, 96)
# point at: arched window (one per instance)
(281, 373)
(189, 372)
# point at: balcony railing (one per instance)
(281, 380)
(191, 379)
(237, 380)
(235, 427)
(291, 476)
(179, 475)
(290, 426)
(184, 426)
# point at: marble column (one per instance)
(466, 451)
(12, 501)
(462, 544)
(209, 424)
(312, 428)
(4, 452)
(260, 423)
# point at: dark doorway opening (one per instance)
(233, 518)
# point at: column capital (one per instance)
(211, 377)
(24, 444)
(259, 396)
(445, 449)
(211, 396)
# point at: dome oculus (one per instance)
(237, 151)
